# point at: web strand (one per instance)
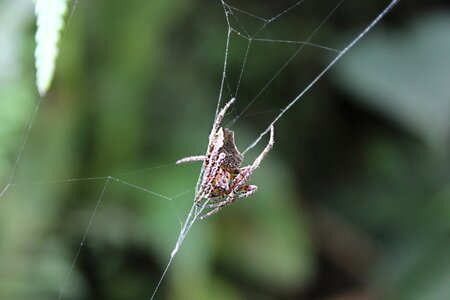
(291, 58)
(227, 46)
(23, 142)
(195, 210)
(242, 69)
(247, 37)
(69, 19)
(327, 68)
(108, 180)
(28, 130)
(83, 240)
(192, 217)
(297, 42)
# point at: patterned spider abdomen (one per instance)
(233, 158)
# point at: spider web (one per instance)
(229, 13)
(230, 87)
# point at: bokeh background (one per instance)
(353, 201)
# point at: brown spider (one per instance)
(223, 180)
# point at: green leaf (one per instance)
(49, 21)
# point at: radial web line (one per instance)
(286, 10)
(139, 188)
(237, 20)
(224, 72)
(284, 41)
(152, 193)
(242, 69)
(59, 181)
(27, 132)
(265, 20)
(195, 211)
(244, 12)
(108, 180)
(144, 170)
(297, 42)
(327, 68)
(69, 19)
(92, 179)
(284, 66)
(83, 240)
(23, 142)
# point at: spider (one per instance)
(223, 180)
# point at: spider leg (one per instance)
(210, 160)
(218, 120)
(218, 204)
(239, 189)
(210, 176)
(247, 190)
(217, 207)
(211, 165)
(247, 171)
(209, 214)
(191, 158)
(214, 179)
(241, 179)
(214, 147)
(265, 151)
(214, 160)
(214, 141)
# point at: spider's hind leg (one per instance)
(245, 192)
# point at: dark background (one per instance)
(353, 200)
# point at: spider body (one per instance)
(223, 180)
(229, 180)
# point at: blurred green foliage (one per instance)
(402, 76)
(353, 201)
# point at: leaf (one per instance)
(49, 21)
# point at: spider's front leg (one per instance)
(218, 120)
(190, 159)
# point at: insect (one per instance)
(223, 180)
